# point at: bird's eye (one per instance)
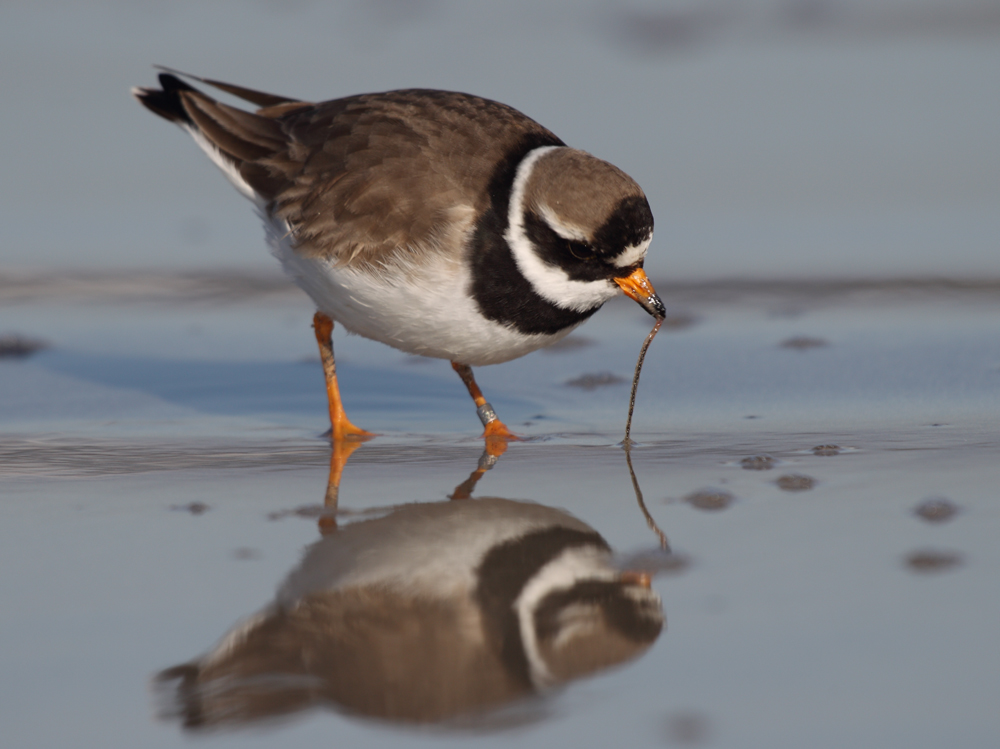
(580, 251)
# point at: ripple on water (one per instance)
(802, 343)
(595, 380)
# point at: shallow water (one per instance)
(163, 474)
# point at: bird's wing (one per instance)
(366, 178)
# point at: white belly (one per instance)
(422, 309)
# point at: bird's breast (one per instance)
(423, 306)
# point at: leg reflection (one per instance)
(486, 461)
(340, 452)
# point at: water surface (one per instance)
(163, 476)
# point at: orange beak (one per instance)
(637, 286)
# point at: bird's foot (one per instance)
(342, 430)
(497, 435)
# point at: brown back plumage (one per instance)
(362, 178)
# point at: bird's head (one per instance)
(579, 229)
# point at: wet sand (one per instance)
(830, 507)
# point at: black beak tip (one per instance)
(654, 306)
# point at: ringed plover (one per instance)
(439, 223)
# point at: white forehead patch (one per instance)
(633, 254)
(549, 281)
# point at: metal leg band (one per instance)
(487, 461)
(486, 414)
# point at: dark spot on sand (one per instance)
(13, 346)
(936, 510)
(933, 561)
(795, 482)
(195, 508)
(752, 416)
(569, 343)
(801, 343)
(758, 463)
(709, 499)
(688, 728)
(245, 553)
(596, 380)
(826, 450)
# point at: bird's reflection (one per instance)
(425, 613)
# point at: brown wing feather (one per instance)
(229, 131)
(385, 173)
(365, 178)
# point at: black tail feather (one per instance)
(166, 102)
(235, 139)
(260, 98)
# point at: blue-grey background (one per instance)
(775, 138)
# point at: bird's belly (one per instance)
(423, 309)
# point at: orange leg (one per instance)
(496, 432)
(340, 426)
